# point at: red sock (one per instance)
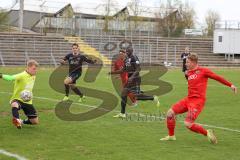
(198, 129)
(171, 123)
(132, 97)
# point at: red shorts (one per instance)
(193, 107)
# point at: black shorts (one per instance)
(28, 109)
(134, 86)
(184, 67)
(135, 90)
(74, 77)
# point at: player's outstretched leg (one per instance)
(123, 108)
(31, 113)
(31, 121)
(171, 123)
(193, 113)
(195, 128)
(77, 92)
(144, 97)
(67, 81)
(123, 104)
(67, 88)
(199, 129)
(133, 99)
(16, 120)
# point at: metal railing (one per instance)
(15, 50)
(149, 49)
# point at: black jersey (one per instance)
(132, 66)
(184, 58)
(75, 62)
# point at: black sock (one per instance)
(77, 91)
(144, 97)
(15, 112)
(27, 121)
(123, 104)
(66, 89)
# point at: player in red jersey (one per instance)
(118, 65)
(193, 104)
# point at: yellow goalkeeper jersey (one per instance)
(23, 81)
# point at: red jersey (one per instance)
(118, 64)
(197, 82)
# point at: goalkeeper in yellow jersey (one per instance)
(23, 81)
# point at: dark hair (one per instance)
(74, 44)
(129, 50)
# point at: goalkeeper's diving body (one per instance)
(23, 81)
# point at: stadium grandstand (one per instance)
(101, 32)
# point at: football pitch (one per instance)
(108, 138)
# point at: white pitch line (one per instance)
(206, 125)
(6, 153)
(53, 100)
(91, 106)
(222, 128)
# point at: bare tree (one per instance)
(173, 17)
(136, 9)
(167, 19)
(211, 18)
(109, 5)
(188, 15)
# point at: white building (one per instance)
(226, 41)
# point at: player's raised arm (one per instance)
(9, 77)
(220, 79)
(88, 60)
(64, 60)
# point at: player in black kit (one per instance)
(132, 66)
(184, 56)
(75, 61)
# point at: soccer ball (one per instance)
(26, 95)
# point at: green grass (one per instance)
(106, 138)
